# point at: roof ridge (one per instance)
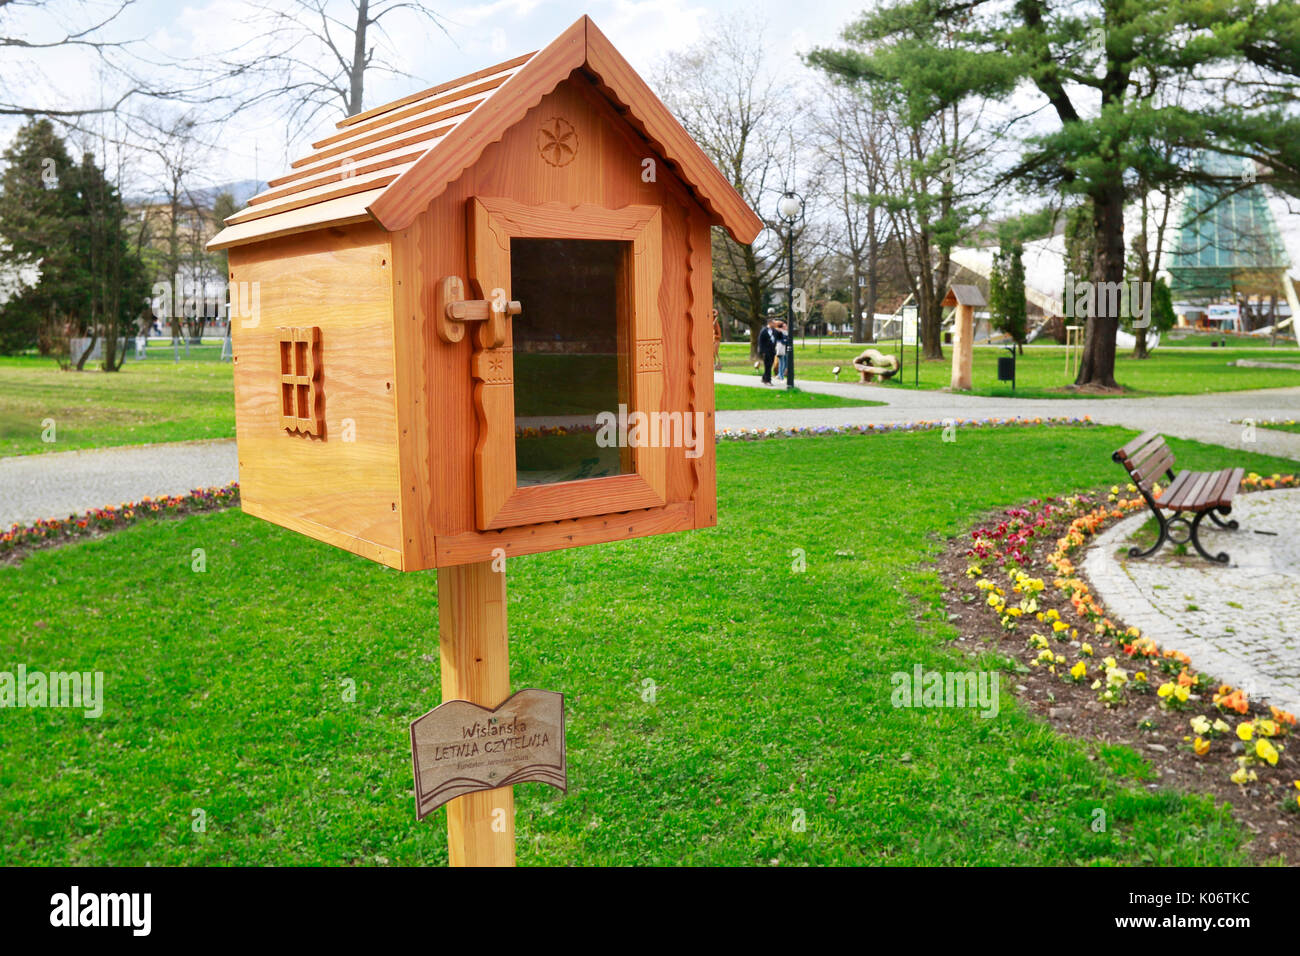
(401, 154)
(374, 111)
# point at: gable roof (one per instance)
(386, 164)
(963, 295)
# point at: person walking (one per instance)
(767, 342)
(782, 349)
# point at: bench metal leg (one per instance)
(1230, 525)
(1136, 552)
(1221, 557)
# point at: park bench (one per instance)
(1189, 497)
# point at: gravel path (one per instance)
(1239, 622)
(1206, 418)
(62, 483)
(58, 484)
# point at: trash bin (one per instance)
(1007, 369)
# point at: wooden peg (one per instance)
(452, 310)
(450, 290)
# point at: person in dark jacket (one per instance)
(767, 340)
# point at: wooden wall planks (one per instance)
(336, 279)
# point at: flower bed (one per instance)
(1100, 677)
(752, 434)
(21, 539)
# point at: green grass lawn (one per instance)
(225, 689)
(744, 398)
(154, 400)
(1041, 371)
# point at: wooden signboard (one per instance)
(459, 747)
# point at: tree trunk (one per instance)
(856, 304)
(869, 307)
(1140, 344)
(94, 337)
(357, 75)
(1097, 369)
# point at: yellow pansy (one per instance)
(1200, 725)
(1079, 671)
(1245, 730)
(1266, 751)
(1200, 747)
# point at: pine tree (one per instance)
(110, 280)
(1007, 292)
(1116, 76)
(38, 212)
(1016, 314)
(71, 218)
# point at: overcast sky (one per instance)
(479, 34)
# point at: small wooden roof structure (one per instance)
(963, 295)
(387, 163)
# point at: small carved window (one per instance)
(301, 399)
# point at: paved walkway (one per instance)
(1239, 622)
(58, 484)
(1206, 418)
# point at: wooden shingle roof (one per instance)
(387, 163)
(964, 295)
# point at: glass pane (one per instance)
(570, 357)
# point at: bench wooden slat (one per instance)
(1144, 454)
(1215, 491)
(1193, 499)
(1153, 468)
(1127, 451)
(1230, 487)
(1175, 488)
(1185, 486)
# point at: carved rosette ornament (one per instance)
(557, 141)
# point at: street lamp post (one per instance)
(790, 209)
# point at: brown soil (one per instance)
(1266, 807)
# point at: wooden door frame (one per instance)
(499, 501)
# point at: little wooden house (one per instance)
(455, 289)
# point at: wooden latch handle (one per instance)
(452, 310)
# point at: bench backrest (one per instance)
(1145, 458)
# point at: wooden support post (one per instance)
(963, 342)
(474, 647)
